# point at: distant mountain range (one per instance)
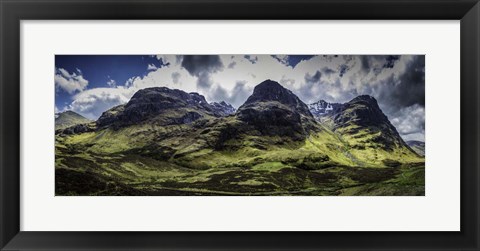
(417, 146)
(223, 108)
(272, 130)
(323, 108)
(69, 118)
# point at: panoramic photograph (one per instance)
(239, 125)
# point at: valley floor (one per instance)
(134, 175)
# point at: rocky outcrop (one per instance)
(77, 129)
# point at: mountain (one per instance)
(363, 119)
(323, 108)
(368, 131)
(223, 108)
(170, 142)
(417, 146)
(275, 110)
(161, 106)
(271, 91)
(68, 119)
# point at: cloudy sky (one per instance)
(91, 84)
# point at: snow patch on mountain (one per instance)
(322, 108)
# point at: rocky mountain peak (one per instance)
(68, 118)
(323, 108)
(223, 108)
(365, 98)
(166, 106)
(362, 110)
(271, 91)
(362, 114)
(197, 97)
(275, 110)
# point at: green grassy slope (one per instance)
(146, 159)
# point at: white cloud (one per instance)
(169, 59)
(282, 58)
(70, 82)
(172, 76)
(91, 103)
(151, 67)
(111, 83)
(410, 122)
(130, 81)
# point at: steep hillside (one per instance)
(369, 134)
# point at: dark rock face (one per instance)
(363, 113)
(270, 90)
(76, 129)
(188, 118)
(272, 120)
(223, 108)
(168, 106)
(110, 116)
(275, 110)
(150, 102)
(324, 108)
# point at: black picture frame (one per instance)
(13, 11)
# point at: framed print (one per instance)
(239, 125)
(254, 139)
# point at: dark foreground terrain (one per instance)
(134, 175)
